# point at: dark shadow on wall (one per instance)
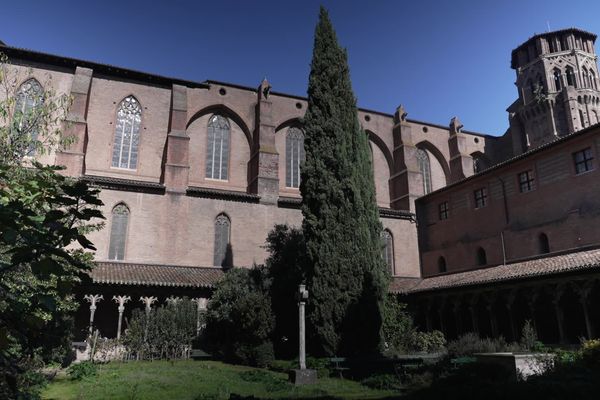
(228, 260)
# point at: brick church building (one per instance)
(480, 232)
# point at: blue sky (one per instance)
(438, 58)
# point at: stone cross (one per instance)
(302, 297)
(93, 299)
(201, 302)
(120, 300)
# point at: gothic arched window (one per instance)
(593, 84)
(481, 257)
(30, 97)
(127, 134)
(442, 265)
(388, 249)
(222, 254)
(570, 77)
(294, 155)
(557, 79)
(543, 243)
(217, 150)
(118, 232)
(586, 78)
(425, 169)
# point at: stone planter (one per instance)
(521, 365)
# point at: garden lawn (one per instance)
(197, 380)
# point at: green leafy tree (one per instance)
(44, 217)
(285, 269)
(239, 320)
(346, 273)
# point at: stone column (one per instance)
(456, 303)
(406, 181)
(442, 305)
(93, 299)
(172, 300)
(532, 296)
(557, 293)
(584, 289)
(263, 167)
(75, 124)
(177, 165)
(120, 300)
(302, 297)
(428, 322)
(490, 298)
(461, 162)
(510, 300)
(201, 303)
(148, 301)
(473, 311)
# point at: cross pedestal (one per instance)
(302, 376)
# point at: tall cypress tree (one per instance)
(341, 225)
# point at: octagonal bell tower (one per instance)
(557, 80)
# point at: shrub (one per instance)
(427, 341)
(382, 382)
(239, 321)
(166, 332)
(471, 343)
(82, 370)
(529, 339)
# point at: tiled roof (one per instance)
(119, 273)
(108, 182)
(557, 264)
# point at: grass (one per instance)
(197, 380)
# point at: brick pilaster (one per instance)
(75, 125)
(177, 166)
(263, 166)
(461, 162)
(406, 182)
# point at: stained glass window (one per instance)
(127, 134)
(425, 168)
(217, 150)
(294, 154)
(118, 232)
(29, 99)
(222, 237)
(388, 249)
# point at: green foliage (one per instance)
(187, 380)
(270, 382)
(471, 343)
(239, 320)
(401, 336)
(166, 332)
(285, 269)
(345, 270)
(82, 370)
(43, 216)
(428, 342)
(383, 382)
(398, 325)
(29, 130)
(529, 339)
